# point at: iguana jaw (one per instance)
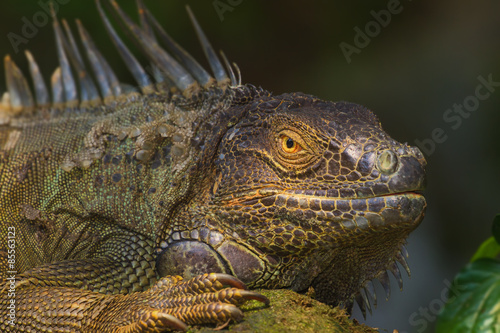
(363, 248)
(337, 245)
(363, 251)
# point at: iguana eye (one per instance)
(289, 145)
(292, 151)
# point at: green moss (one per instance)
(291, 312)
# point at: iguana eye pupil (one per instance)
(289, 145)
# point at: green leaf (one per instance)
(490, 248)
(474, 300)
(496, 228)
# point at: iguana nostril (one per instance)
(387, 162)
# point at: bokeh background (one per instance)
(424, 61)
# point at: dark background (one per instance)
(425, 60)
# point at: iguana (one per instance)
(129, 209)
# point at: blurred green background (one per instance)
(423, 62)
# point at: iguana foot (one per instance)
(172, 303)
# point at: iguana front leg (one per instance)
(116, 290)
(169, 305)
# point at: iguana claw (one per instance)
(227, 279)
(154, 321)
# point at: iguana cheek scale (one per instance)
(146, 209)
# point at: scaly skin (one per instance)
(109, 203)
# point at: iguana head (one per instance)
(307, 193)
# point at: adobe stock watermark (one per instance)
(222, 6)
(372, 29)
(420, 319)
(11, 272)
(455, 115)
(31, 26)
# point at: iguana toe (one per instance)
(172, 303)
(154, 321)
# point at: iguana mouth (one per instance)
(403, 208)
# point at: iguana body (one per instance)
(104, 196)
